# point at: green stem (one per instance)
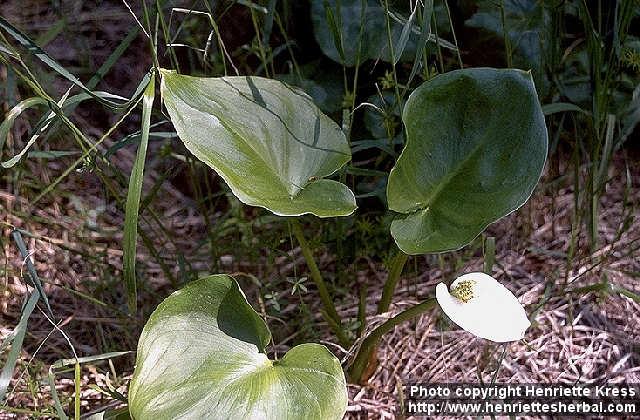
(507, 42)
(77, 383)
(362, 309)
(434, 26)
(397, 265)
(489, 254)
(330, 314)
(361, 361)
(153, 43)
(453, 32)
(392, 55)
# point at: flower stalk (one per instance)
(330, 314)
(397, 265)
(362, 367)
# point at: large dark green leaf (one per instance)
(375, 44)
(476, 146)
(326, 88)
(526, 22)
(268, 141)
(201, 355)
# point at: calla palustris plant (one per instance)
(476, 146)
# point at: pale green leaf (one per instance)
(201, 355)
(476, 146)
(268, 141)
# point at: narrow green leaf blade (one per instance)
(112, 414)
(557, 107)
(31, 269)
(88, 359)
(14, 113)
(52, 154)
(425, 33)
(41, 129)
(68, 103)
(35, 50)
(336, 34)
(51, 381)
(16, 344)
(253, 5)
(404, 36)
(133, 201)
(337, 31)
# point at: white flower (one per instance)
(484, 307)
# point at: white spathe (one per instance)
(484, 307)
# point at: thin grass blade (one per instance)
(51, 380)
(335, 30)
(18, 337)
(98, 357)
(404, 36)
(425, 33)
(113, 57)
(35, 50)
(557, 107)
(33, 275)
(489, 254)
(52, 154)
(78, 384)
(49, 118)
(133, 201)
(15, 113)
(253, 6)
(267, 27)
(45, 122)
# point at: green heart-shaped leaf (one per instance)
(476, 146)
(375, 43)
(269, 141)
(201, 355)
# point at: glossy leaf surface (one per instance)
(201, 355)
(268, 141)
(476, 146)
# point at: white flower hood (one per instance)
(484, 307)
